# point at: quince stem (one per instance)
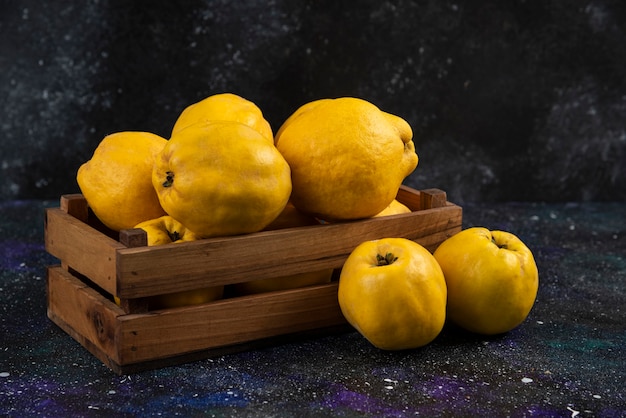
(385, 260)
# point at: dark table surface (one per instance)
(567, 359)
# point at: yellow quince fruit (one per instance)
(186, 298)
(116, 181)
(394, 293)
(492, 279)
(221, 178)
(293, 281)
(166, 230)
(348, 158)
(394, 208)
(291, 217)
(225, 106)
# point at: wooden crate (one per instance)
(97, 263)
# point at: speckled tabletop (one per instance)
(566, 360)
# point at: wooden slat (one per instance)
(81, 247)
(431, 242)
(433, 198)
(84, 314)
(220, 261)
(139, 272)
(130, 368)
(409, 197)
(162, 334)
(135, 237)
(118, 339)
(75, 205)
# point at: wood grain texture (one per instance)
(81, 247)
(170, 332)
(144, 271)
(86, 315)
(120, 339)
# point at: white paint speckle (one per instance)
(41, 183)
(573, 411)
(5, 374)
(526, 380)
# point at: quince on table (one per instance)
(492, 279)
(393, 292)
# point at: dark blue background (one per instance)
(519, 100)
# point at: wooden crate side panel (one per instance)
(84, 314)
(178, 359)
(421, 199)
(84, 249)
(212, 262)
(409, 197)
(162, 334)
(447, 227)
(431, 242)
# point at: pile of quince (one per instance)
(223, 172)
